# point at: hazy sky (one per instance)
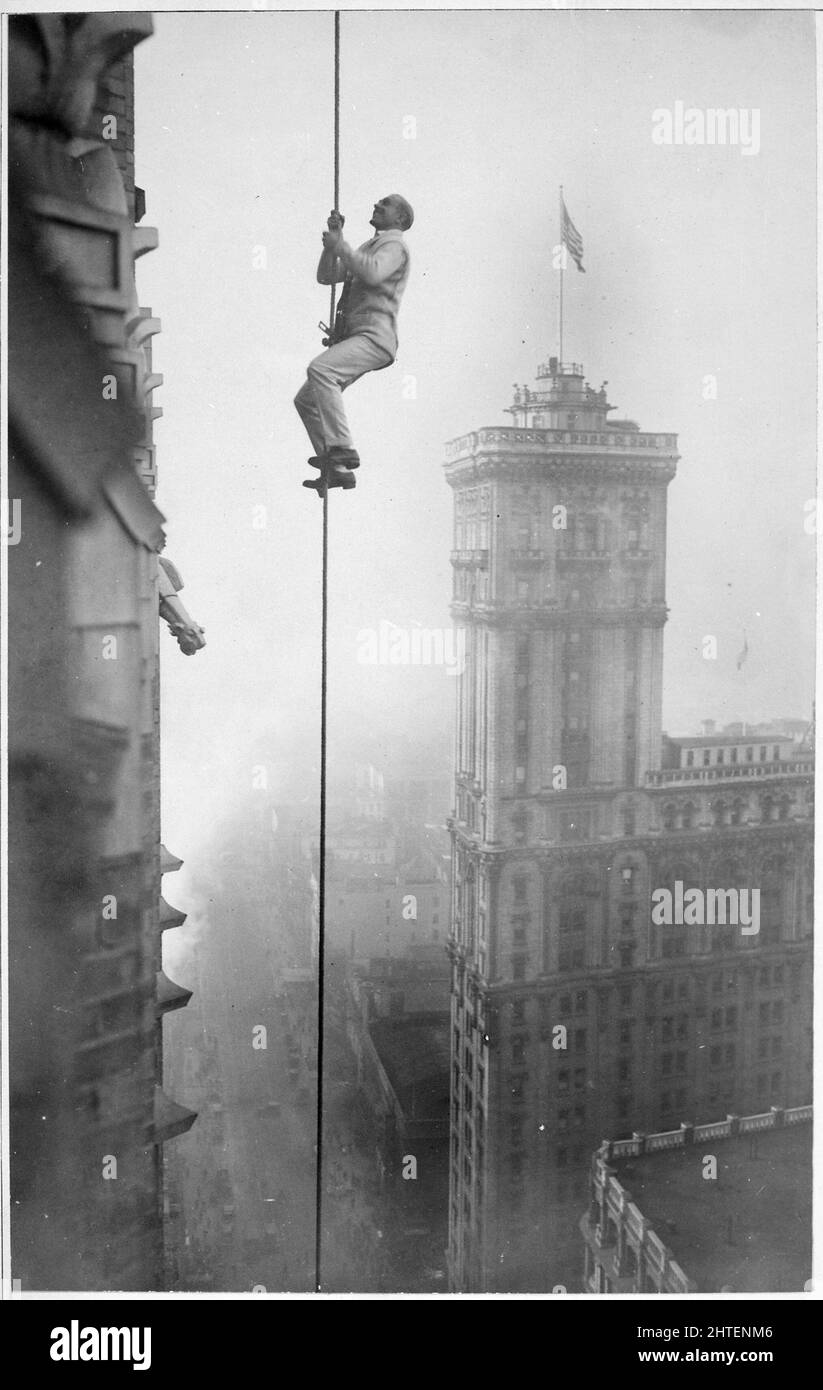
(700, 260)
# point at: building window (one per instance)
(690, 758)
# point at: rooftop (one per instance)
(414, 1051)
(716, 740)
(748, 1230)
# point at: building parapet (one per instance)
(672, 776)
(624, 1254)
(687, 1134)
(510, 439)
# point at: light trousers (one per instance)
(319, 401)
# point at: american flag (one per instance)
(572, 238)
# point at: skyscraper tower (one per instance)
(567, 815)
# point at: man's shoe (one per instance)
(323, 460)
(336, 477)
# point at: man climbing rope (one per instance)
(363, 337)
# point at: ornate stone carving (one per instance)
(56, 62)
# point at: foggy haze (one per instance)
(699, 261)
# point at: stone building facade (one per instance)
(87, 989)
(574, 1015)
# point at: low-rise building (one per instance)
(714, 1208)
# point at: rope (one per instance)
(321, 886)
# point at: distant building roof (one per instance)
(414, 1051)
(712, 740)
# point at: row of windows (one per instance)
(669, 1101)
(734, 754)
(681, 816)
(564, 1006)
(671, 1028)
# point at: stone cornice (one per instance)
(534, 618)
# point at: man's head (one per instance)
(392, 211)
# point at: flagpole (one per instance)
(562, 263)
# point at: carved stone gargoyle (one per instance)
(190, 637)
